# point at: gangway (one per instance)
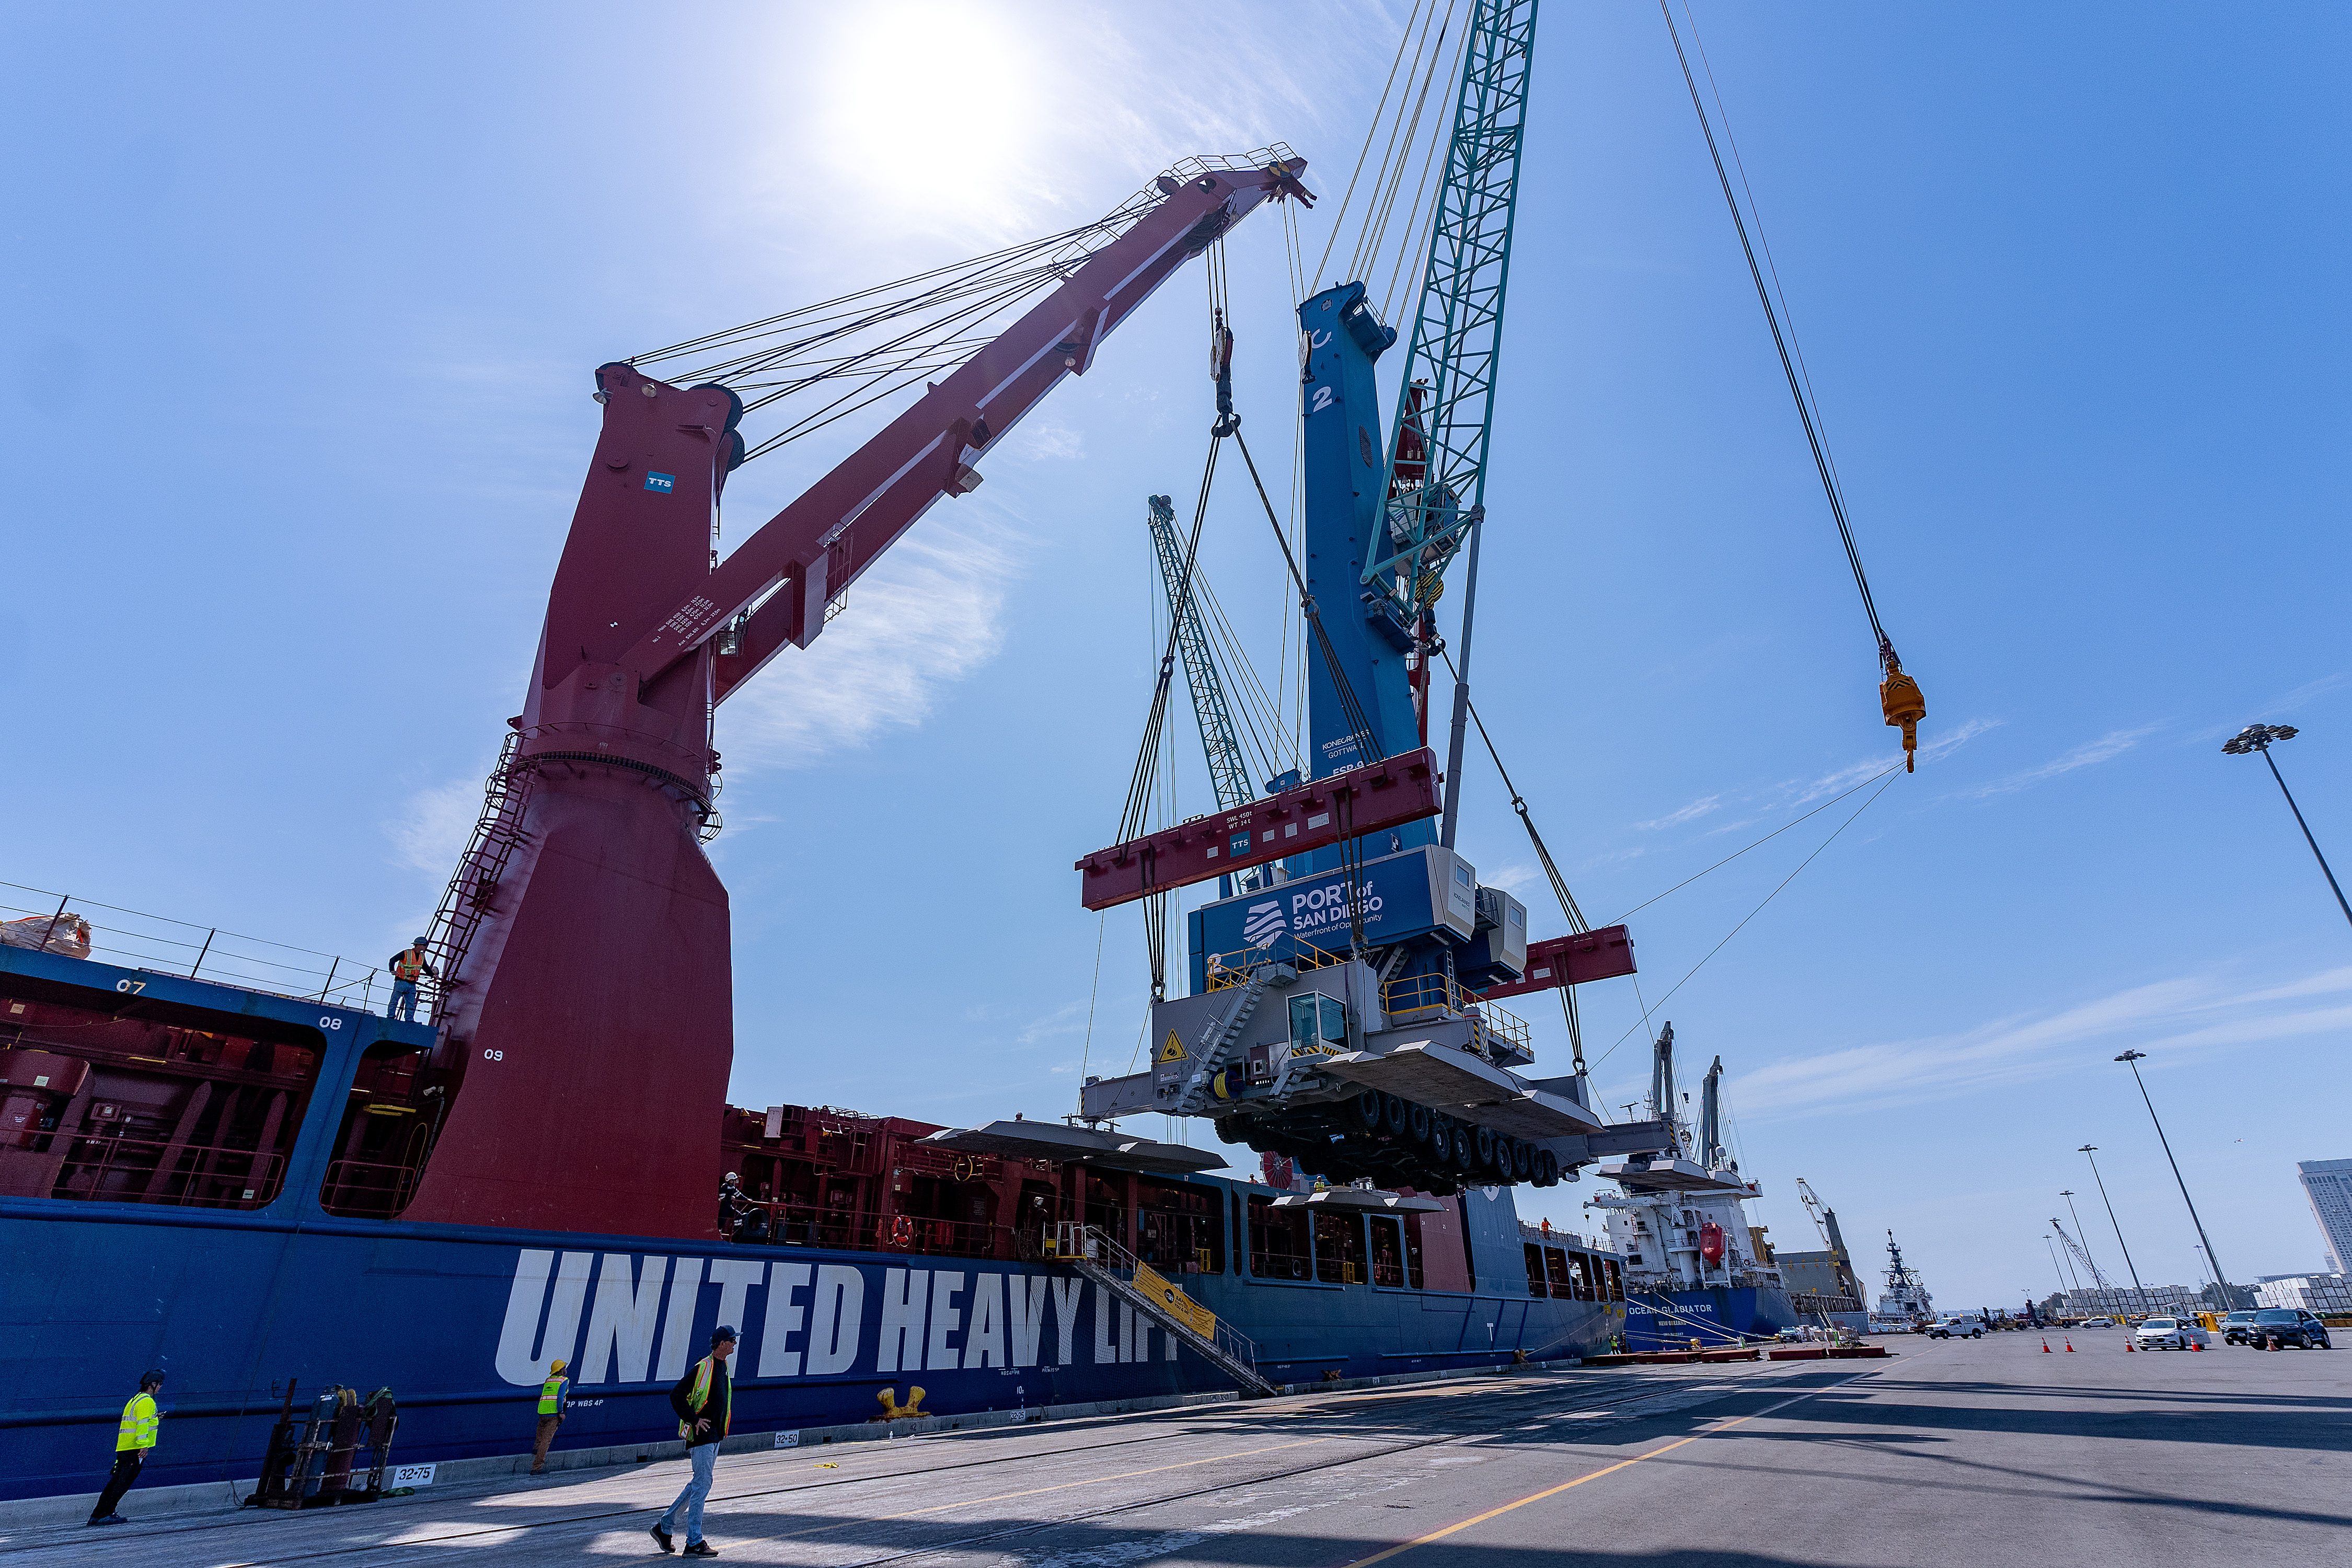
(1128, 1279)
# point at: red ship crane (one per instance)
(587, 1002)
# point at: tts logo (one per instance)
(661, 484)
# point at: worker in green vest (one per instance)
(551, 1414)
(702, 1401)
(132, 1441)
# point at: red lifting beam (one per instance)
(1558, 961)
(1383, 794)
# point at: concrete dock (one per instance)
(1951, 1453)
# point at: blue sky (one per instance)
(302, 304)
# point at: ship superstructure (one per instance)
(1905, 1304)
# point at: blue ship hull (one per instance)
(462, 1321)
(462, 1326)
(1670, 1320)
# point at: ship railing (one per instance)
(1091, 1247)
(791, 1223)
(1421, 998)
(159, 944)
(368, 1189)
(102, 1168)
(1227, 969)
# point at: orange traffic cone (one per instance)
(2129, 1346)
(2045, 1345)
(2070, 1347)
(2195, 1346)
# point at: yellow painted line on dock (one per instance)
(1716, 1430)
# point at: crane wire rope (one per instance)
(1371, 130)
(1797, 387)
(1569, 1012)
(1736, 854)
(1898, 693)
(1398, 159)
(1751, 914)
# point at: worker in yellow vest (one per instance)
(551, 1414)
(406, 966)
(132, 1439)
(703, 1400)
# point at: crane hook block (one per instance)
(1899, 695)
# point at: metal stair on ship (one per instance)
(1097, 1257)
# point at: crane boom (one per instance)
(1438, 440)
(584, 943)
(2083, 1257)
(1228, 771)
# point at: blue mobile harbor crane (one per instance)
(1336, 1014)
(1383, 520)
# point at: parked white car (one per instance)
(2170, 1334)
(2096, 1323)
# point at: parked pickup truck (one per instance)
(1947, 1327)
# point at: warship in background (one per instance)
(1905, 1306)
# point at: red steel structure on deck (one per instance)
(1576, 960)
(586, 1000)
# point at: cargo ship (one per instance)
(1693, 1267)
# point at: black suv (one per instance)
(2274, 1328)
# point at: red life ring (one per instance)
(902, 1231)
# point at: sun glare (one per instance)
(926, 98)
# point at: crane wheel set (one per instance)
(1395, 1142)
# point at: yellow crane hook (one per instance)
(1900, 699)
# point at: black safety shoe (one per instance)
(111, 1518)
(700, 1549)
(661, 1538)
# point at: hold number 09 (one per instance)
(492, 1056)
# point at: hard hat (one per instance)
(555, 1366)
(730, 1176)
(418, 941)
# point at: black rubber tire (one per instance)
(1466, 1154)
(1523, 1160)
(1417, 1123)
(1231, 1130)
(1547, 1173)
(1363, 1111)
(1395, 1116)
(1501, 1160)
(1439, 1141)
(1483, 1142)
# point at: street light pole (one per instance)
(2086, 1151)
(2133, 1059)
(2258, 738)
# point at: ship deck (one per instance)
(1957, 1452)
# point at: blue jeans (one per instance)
(404, 1001)
(704, 1456)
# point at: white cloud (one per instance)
(2017, 1049)
(432, 828)
(1044, 438)
(1697, 808)
(2114, 743)
(919, 621)
(1845, 778)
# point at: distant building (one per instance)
(2328, 1185)
(2125, 1300)
(2313, 1292)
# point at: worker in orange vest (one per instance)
(406, 966)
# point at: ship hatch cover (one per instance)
(1046, 1141)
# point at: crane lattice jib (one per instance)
(1457, 327)
(2083, 1257)
(1227, 773)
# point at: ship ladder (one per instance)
(1219, 1037)
(1097, 1257)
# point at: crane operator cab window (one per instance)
(1318, 1024)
